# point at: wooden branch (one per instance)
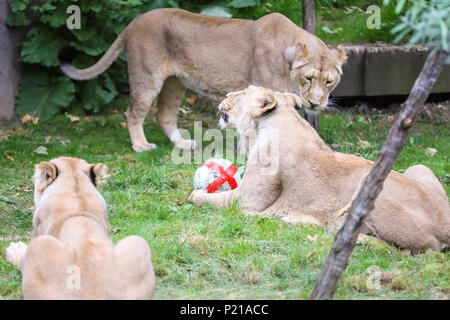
(345, 238)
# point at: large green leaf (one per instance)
(41, 46)
(94, 95)
(41, 95)
(17, 5)
(55, 18)
(16, 19)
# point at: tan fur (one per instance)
(170, 49)
(311, 183)
(71, 230)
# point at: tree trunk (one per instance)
(345, 238)
(309, 24)
(309, 20)
(9, 63)
(313, 119)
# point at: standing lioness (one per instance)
(171, 49)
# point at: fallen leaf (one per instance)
(349, 144)
(363, 143)
(9, 157)
(335, 145)
(32, 208)
(390, 118)
(47, 139)
(115, 230)
(184, 111)
(431, 151)
(348, 10)
(311, 254)
(405, 252)
(41, 150)
(180, 202)
(28, 118)
(328, 30)
(313, 239)
(26, 188)
(123, 124)
(191, 98)
(87, 119)
(127, 158)
(72, 118)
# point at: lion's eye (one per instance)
(309, 79)
(328, 82)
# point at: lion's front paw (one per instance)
(144, 147)
(186, 144)
(197, 197)
(16, 253)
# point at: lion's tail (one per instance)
(67, 54)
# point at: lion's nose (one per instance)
(313, 103)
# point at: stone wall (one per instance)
(378, 70)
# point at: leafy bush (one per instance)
(44, 90)
(426, 22)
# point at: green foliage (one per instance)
(102, 22)
(425, 22)
(45, 95)
(244, 3)
(44, 90)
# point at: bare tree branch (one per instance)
(345, 239)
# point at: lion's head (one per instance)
(243, 109)
(314, 73)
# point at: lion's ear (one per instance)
(44, 174)
(97, 171)
(297, 55)
(339, 54)
(293, 100)
(268, 103)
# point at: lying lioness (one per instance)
(300, 179)
(70, 255)
(170, 49)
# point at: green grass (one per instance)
(208, 253)
(336, 21)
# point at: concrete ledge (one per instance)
(378, 70)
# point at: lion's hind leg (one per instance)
(424, 176)
(133, 260)
(49, 269)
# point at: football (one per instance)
(217, 175)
